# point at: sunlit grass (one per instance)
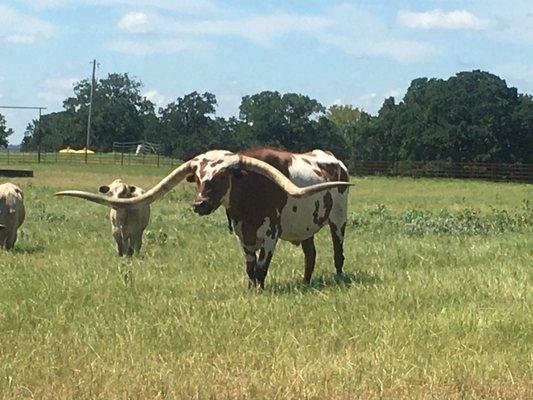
(418, 315)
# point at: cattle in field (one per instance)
(127, 224)
(12, 214)
(268, 195)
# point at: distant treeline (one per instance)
(473, 116)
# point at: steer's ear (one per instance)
(190, 178)
(103, 189)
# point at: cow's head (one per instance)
(118, 189)
(211, 172)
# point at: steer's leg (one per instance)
(3, 236)
(120, 242)
(337, 234)
(137, 241)
(263, 262)
(251, 261)
(308, 246)
(11, 239)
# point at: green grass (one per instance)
(436, 302)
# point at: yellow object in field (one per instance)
(72, 151)
(82, 151)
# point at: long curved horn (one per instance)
(150, 196)
(267, 170)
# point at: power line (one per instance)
(24, 108)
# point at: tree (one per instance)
(280, 120)
(187, 126)
(5, 132)
(472, 116)
(119, 111)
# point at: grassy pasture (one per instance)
(435, 304)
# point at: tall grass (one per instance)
(436, 301)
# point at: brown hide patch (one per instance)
(254, 198)
(330, 171)
(328, 205)
(318, 172)
(334, 172)
(345, 178)
(280, 159)
(201, 168)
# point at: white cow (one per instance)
(12, 214)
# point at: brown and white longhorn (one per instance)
(268, 195)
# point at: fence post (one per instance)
(8, 156)
(157, 160)
(122, 157)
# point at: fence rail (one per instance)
(7, 158)
(419, 169)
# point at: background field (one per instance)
(436, 302)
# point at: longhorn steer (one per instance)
(12, 214)
(268, 195)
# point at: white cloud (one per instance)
(26, 39)
(346, 27)
(167, 46)
(400, 50)
(184, 6)
(135, 22)
(260, 29)
(438, 19)
(19, 28)
(55, 90)
(155, 97)
(362, 34)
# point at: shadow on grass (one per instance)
(324, 282)
(38, 248)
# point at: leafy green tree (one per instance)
(187, 125)
(472, 116)
(119, 112)
(5, 132)
(281, 120)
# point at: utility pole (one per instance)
(88, 141)
(40, 139)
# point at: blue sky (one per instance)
(349, 52)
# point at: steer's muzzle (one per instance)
(202, 207)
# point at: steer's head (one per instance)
(118, 189)
(211, 173)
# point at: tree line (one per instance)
(472, 116)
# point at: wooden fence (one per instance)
(489, 171)
(463, 170)
(12, 158)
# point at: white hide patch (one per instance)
(221, 159)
